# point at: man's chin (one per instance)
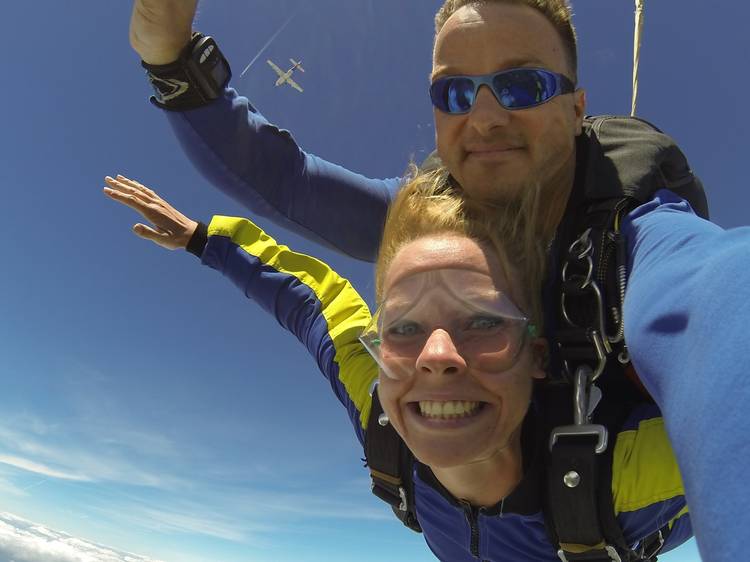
(493, 190)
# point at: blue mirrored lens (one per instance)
(524, 88)
(460, 96)
(515, 89)
(453, 94)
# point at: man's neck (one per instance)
(556, 193)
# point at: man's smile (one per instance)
(492, 153)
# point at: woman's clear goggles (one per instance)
(486, 329)
(517, 88)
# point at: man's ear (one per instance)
(540, 353)
(579, 106)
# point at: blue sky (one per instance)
(146, 406)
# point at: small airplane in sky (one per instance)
(286, 77)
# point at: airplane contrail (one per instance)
(283, 25)
(34, 485)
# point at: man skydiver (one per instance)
(492, 152)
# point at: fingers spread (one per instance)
(135, 184)
(121, 183)
(126, 193)
(127, 181)
(170, 227)
(129, 199)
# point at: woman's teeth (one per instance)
(448, 410)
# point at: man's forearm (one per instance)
(263, 168)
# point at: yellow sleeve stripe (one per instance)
(345, 312)
(644, 468)
(683, 511)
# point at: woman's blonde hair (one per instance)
(431, 203)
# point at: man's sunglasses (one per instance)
(517, 88)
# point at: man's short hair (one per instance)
(557, 12)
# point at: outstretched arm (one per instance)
(686, 313)
(305, 296)
(255, 162)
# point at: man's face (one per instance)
(494, 152)
(448, 411)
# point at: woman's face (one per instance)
(449, 410)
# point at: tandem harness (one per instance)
(621, 163)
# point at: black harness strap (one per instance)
(391, 464)
(579, 507)
(573, 482)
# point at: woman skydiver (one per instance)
(455, 348)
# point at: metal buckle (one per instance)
(402, 494)
(586, 397)
(599, 431)
(653, 549)
(403, 506)
(582, 250)
(610, 550)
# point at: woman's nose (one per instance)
(440, 356)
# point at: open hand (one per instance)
(171, 229)
(160, 29)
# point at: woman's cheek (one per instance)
(390, 393)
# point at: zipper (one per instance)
(472, 516)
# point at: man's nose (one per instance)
(487, 113)
(440, 356)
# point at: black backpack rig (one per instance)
(621, 163)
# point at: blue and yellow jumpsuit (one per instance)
(327, 315)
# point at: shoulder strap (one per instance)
(391, 465)
(630, 157)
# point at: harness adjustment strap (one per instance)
(390, 464)
(575, 453)
(652, 545)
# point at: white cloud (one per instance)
(39, 468)
(196, 521)
(77, 462)
(24, 541)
